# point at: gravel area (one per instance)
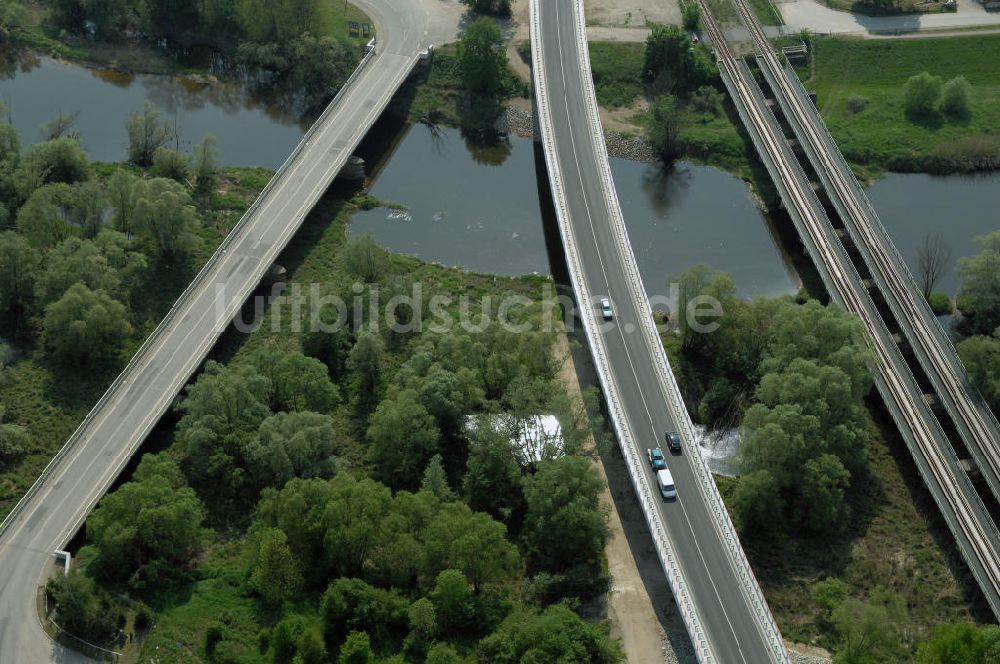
(520, 122)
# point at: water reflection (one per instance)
(959, 207)
(249, 132)
(468, 207)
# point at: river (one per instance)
(480, 208)
(248, 132)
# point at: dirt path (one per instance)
(640, 606)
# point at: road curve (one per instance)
(76, 480)
(713, 595)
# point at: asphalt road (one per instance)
(718, 596)
(117, 428)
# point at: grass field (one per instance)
(766, 12)
(881, 135)
(334, 16)
(617, 71)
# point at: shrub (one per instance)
(171, 164)
(921, 94)
(706, 99)
(856, 104)
(955, 97)
(940, 304)
(691, 16)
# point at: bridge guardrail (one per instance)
(140, 355)
(709, 491)
(618, 418)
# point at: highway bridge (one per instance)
(968, 519)
(974, 422)
(721, 603)
(57, 504)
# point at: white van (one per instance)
(665, 481)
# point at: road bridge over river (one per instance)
(57, 504)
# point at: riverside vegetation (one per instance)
(297, 52)
(336, 504)
(838, 527)
(320, 496)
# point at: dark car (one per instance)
(656, 459)
(674, 441)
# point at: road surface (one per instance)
(718, 595)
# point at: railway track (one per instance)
(976, 533)
(974, 421)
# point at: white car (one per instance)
(606, 309)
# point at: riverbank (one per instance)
(297, 75)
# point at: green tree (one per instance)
(18, 267)
(824, 484)
(672, 64)
(363, 258)
(75, 260)
(166, 217)
(123, 192)
(954, 643)
(921, 94)
(435, 480)
(14, 443)
(205, 161)
(825, 334)
(319, 66)
(403, 437)
(298, 382)
(81, 608)
(352, 605)
(492, 481)
(564, 523)
(955, 97)
(554, 635)
(85, 328)
(691, 15)
(491, 7)
(483, 57)
(981, 356)
(664, 127)
(311, 649)
(147, 131)
(171, 164)
(292, 445)
(299, 511)
(275, 574)
(221, 412)
(423, 627)
(365, 362)
(356, 650)
(979, 295)
(757, 502)
(869, 631)
(49, 216)
(454, 602)
(328, 340)
(355, 522)
(471, 542)
(59, 160)
(149, 526)
(443, 653)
